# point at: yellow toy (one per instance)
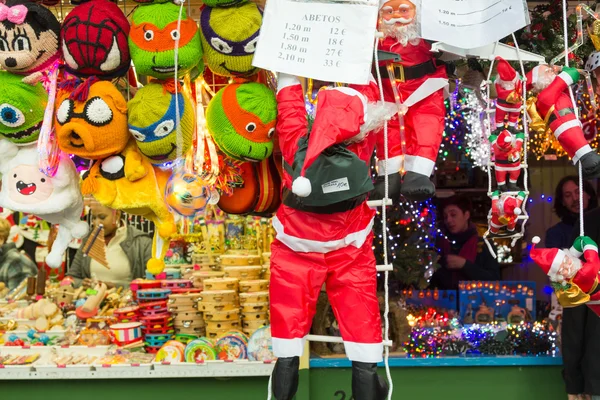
(128, 182)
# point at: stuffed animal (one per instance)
(152, 41)
(152, 122)
(94, 40)
(21, 109)
(91, 121)
(54, 199)
(229, 37)
(28, 37)
(505, 210)
(128, 182)
(241, 119)
(222, 3)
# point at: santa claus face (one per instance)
(545, 76)
(401, 12)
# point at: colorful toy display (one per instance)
(488, 302)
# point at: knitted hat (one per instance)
(241, 120)
(340, 114)
(148, 2)
(91, 122)
(229, 37)
(222, 3)
(28, 37)
(505, 71)
(549, 260)
(21, 109)
(533, 75)
(94, 40)
(152, 121)
(152, 41)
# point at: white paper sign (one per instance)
(325, 41)
(471, 23)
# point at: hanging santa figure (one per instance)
(421, 84)
(553, 109)
(505, 212)
(507, 149)
(509, 98)
(574, 281)
(324, 231)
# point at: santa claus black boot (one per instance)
(417, 187)
(394, 186)
(590, 164)
(512, 187)
(366, 384)
(285, 378)
(503, 187)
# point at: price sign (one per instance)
(326, 41)
(468, 24)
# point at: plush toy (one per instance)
(507, 159)
(505, 210)
(28, 37)
(56, 200)
(574, 281)
(152, 122)
(223, 3)
(553, 109)
(128, 182)
(152, 41)
(94, 40)
(241, 120)
(91, 121)
(21, 109)
(229, 37)
(510, 100)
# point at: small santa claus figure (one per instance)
(507, 159)
(505, 211)
(574, 282)
(509, 98)
(554, 110)
(420, 82)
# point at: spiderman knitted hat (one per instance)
(152, 41)
(152, 122)
(21, 109)
(229, 37)
(94, 40)
(241, 120)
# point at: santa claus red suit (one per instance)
(554, 110)
(324, 244)
(420, 82)
(505, 211)
(507, 159)
(509, 99)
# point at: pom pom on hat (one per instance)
(301, 187)
(517, 211)
(535, 240)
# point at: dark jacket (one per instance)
(14, 266)
(580, 332)
(137, 247)
(483, 267)
(559, 235)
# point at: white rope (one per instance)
(386, 350)
(270, 387)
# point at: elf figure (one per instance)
(505, 210)
(509, 98)
(507, 159)
(575, 282)
(324, 232)
(421, 83)
(553, 109)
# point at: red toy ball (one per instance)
(94, 40)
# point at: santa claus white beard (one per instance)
(543, 82)
(506, 85)
(568, 268)
(403, 33)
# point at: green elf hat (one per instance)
(229, 37)
(241, 119)
(22, 109)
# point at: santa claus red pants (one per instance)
(512, 171)
(512, 113)
(350, 277)
(496, 224)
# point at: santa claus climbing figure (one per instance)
(421, 84)
(505, 212)
(509, 98)
(507, 158)
(553, 109)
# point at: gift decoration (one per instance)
(94, 40)
(241, 120)
(57, 200)
(91, 121)
(29, 33)
(229, 37)
(152, 119)
(21, 109)
(153, 38)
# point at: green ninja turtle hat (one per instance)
(22, 109)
